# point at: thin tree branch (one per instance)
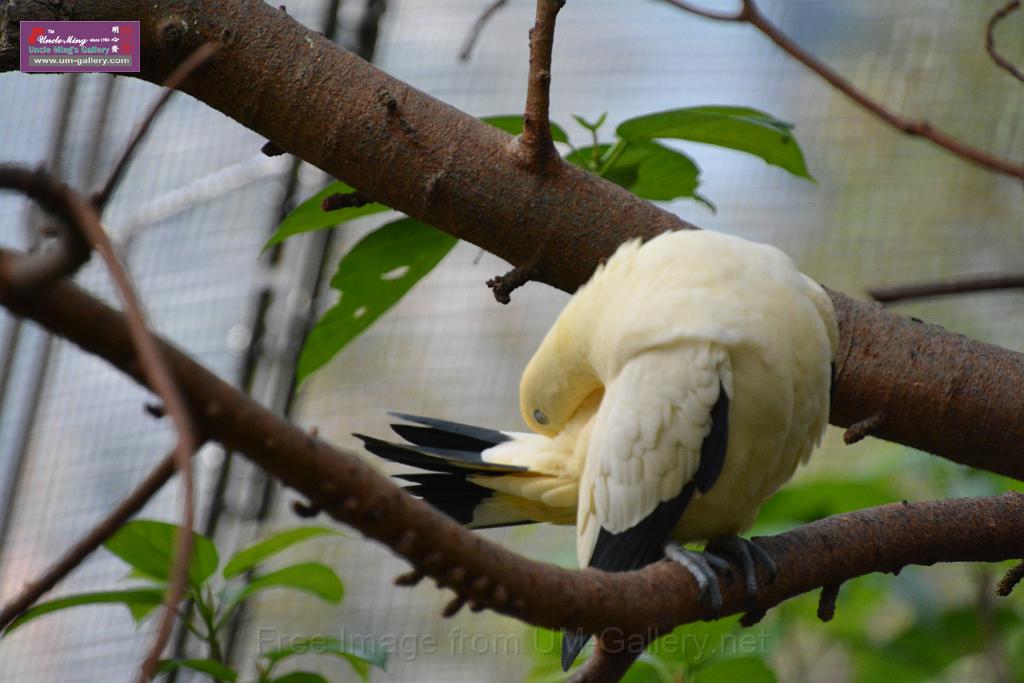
(177, 77)
(652, 600)
(750, 13)
(966, 285)
(611, 659)
(478, 27)
(990, 39)
(738, 15)
(75, 555)
(150, 357)
(70, 251)
(536, 138)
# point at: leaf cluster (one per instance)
(212, 598)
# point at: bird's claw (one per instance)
(748, 555)
(704, 565)
(700, 567)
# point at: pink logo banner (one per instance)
(80, 46)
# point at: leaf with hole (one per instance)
(740, 128)
(309, 216)
(360, 656)
(148, 546)
(371, 278)
(210, 667)
(513, 124)
(248, 558)
(136, 599)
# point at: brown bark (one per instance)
(486, 575)
(934, 390)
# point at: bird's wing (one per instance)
(659, 436)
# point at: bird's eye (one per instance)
(540, 417)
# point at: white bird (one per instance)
(678, 389)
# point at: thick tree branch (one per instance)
(750, 13)
(486, 575)
(939, 392)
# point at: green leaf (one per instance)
(133, 598)
(148, 546)
(309, 577)
(647, 169)
(361, 656)
(300, 677)
(309, 216)
(740, 128)
(513, 124)
(592, 127)
(210, 667)
(371, 278)
(248, 558)
(746, 669)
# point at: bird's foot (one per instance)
(702, 567)
(716, 555)
(748, 555)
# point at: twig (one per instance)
(753, 617)
(70, 250)
(978, 283)
(751, 14)
(271, 149)
(177, 77)
(611, 659)
(504, 285)
(478, 27)
(153, 482)
(536, 138)
(991, 634)
(738, 15)
(346, 200)
(1010, 580)
(862, 429)
(827, 601)
(990, 39)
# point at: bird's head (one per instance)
(557, 380)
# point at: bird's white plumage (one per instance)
(628, 375)
(647, 436)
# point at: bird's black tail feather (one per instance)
(450, 452)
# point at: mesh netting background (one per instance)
(200, 200)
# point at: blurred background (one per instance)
(200, 200)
